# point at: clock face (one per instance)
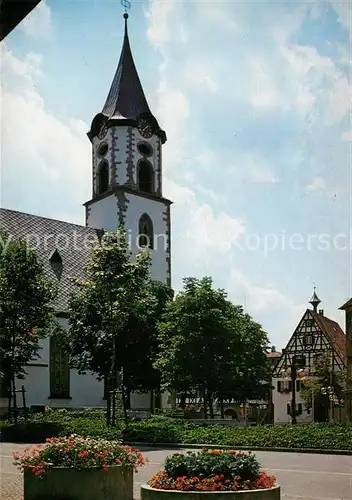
(103, 130)
(144, 128)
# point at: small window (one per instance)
(145, 176)
(145, 149)
(145, 232)
(309, 322)
(103, 177)
(308, 340)
(103, 148)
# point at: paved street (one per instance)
(302, 476)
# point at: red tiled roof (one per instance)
(333, 332)
(274, 354)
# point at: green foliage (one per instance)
(88, 423)
(26, 298)
(208, 463)
(325, 377)
(209, 344)
(159, 429)
(112, 318)
(320, 436)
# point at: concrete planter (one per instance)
(60, 483)
(148, 493)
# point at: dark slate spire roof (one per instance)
(315, 301)
(126, 98)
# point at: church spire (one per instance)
(126, 103)
(126, 99)
(315, 301)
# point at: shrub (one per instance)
(56, 423)
(213, 470)
(333, 436)
(214, 462)
(78, 452)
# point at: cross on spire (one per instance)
(126, 4)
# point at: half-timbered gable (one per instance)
(314, 337)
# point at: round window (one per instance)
(103, 149)
(145, 149)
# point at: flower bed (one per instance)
(79, 467)
(222, 471)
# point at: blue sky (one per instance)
(255, 100)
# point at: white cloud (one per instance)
(38, 23)
(36, 144)
(319, 185)
(252, 168)
(264, 94)
(347, 136)
(201, 77)
(264, 302)
(158, 16)
(343, 9)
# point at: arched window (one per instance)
(103, 177)
(145, 176)
(145, 232)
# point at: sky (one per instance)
(255, 98)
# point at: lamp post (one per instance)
(296, 366)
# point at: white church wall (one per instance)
(103, 214)
(136, 207)
(85, 390)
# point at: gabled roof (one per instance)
(126, 99)
(72, 242)
(346, 305)
(333, 333)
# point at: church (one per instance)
(126, 141)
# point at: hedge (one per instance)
(330, 436)
(58, 423)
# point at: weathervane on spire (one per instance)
(126, 4)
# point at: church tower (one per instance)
(127, 168)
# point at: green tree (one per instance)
(325, 388)
(26, 303)
(142, 342)
(110, 314)
(209, 344)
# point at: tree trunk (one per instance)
(222, 407)
(211, 405)
(152, 401)
(205, 402)
(14, 396)
(108, 407)
(128, 398)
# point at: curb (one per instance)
(315, 451)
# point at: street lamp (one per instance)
(297, 367)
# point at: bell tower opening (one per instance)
(145, 177)
(145, 232)
(103, 177)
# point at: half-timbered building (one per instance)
(314, 337)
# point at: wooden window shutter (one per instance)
(298, 385)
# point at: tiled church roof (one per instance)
(333, 332)
(72, 242)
